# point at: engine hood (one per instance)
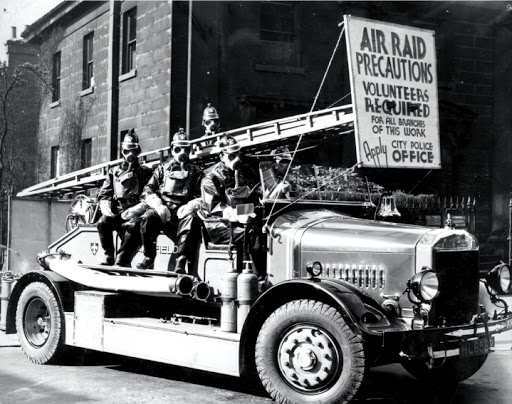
(329, 231)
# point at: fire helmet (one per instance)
(180, 138)
(228, 144)
(210, 113)
(281, 153)
(130, 141)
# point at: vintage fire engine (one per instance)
(344, 293)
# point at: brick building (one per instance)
(122, 65)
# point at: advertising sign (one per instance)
(393, 79)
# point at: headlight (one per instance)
(424, 286)
(498, 279)
(314, 269)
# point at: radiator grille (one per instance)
(362, 276)
(457, 301)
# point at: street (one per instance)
(104, 378)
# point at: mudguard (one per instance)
(60, 286)
(354, 305)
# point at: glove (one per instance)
(239, 192)
(153, 200)
(164, 213)
(106, 208)
(281, 190)
(135, 211)
(192, 206)
(229, 214)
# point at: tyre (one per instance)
(39, 324)
(456, 368)
(306, 353)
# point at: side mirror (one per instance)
(244, 212)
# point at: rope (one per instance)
(302, 134)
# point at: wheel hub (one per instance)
(37, 322)
(308, 358)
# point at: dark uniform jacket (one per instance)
(219, 187)
(123, 186)
(175, 184)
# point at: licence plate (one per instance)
(475, 347)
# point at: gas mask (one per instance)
(131, 155)
(231, 160)
(211, 126)
(181, 153)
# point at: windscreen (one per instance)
(311, 182)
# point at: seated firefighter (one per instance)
(275, 181)
(169, 195)
(121, 191)
(224, 186)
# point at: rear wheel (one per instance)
(39, 324)
(455, 368)
(306, 353)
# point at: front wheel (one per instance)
(306, 353)
(39, 324)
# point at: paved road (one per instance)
(103, 378)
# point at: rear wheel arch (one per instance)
(60, 286)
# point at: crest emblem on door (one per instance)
(94, 248)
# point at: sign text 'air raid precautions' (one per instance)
(394, 91)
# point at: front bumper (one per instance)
(442, 342)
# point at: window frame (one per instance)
(54, 161)
(129, 40)
(56, 75)
(88, 61)
(278, 35)
(86, 153)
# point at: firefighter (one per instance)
(211, 121)
(224, 186)
(121, 191)
(169, 195)
(283, 159)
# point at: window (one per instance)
(129, 40)
(56, 77)
(54, 162)
(277, 22)
(86, 150)
(88, 72)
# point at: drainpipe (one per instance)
(189, 65)
(113, 79)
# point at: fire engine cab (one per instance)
(345, 292)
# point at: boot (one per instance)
(147, 263)
(181, 263)
(108, 261)
(122, 263)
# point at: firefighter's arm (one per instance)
(209, 193)
(105, 196)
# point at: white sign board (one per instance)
(393, 80)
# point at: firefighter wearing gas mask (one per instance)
(169, 195)
(121, 191)
(224, 186)
(211, 121)
(282, 158)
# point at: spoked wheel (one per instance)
(39, 324)
(306, 353)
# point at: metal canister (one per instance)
(6, 287)
(247, 293)
(228, 311)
